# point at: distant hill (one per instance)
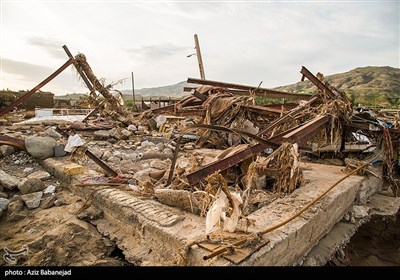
(173, 91)
(368, 86)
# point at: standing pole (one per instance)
(198, 54)
(133, 93)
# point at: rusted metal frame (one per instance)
(79, 69)
(263, 110)
(174, 159)
(223, 164)
(12, 141)
(245, 89)
(32, 91)
(102, 164)
(315, 81)
(306, 131)
(199, 95)
(259, 92)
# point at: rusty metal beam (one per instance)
(305, 132)
(102, 164)
(306, 73)
(32, 91)
(79, 69)
(199, 95)
(12, 141)
(244, 89)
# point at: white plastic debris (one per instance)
(231, 222)
(73, 142)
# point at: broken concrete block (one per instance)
(48, 201)
(101, 135)
(15, 206)
(31, 185)
(32, 200)
(40, 147)
(7, 180)
(91, 213)
(3, 195)
(59, 150)
(360, 212)
(182, 199)
(6, 150)
(50, 189)
(4, 203)
(132, 127)
(73, 169)
(159, 164)
(60, 201)
(41, 175)
(28, 170)
(51, 132)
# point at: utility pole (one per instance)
(198, 54)
(133, 93)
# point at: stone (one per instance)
(48, 201)
(117, 154)
(97, 152)
(188, 146)
(360, 212)
(101, 135)
(14, 208)
(144, 144)
(106, 155)
(7, 180)
(28, 170)
(113, 159)
(112, 140)
(32, 200)
(60, 201)
(159, 164)
(73, 169)
(50, 189)
(40, 147)
(4, 203)
(31, 185)
(141, 128)
(6, 150)
(160, 147)
(17, 162)
(125, 134)
(3, 195)
(59, 150)
(132, 127)
(41, 175)
(91, 213)
(51, 132)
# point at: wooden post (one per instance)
(199, 59)
(133, 93)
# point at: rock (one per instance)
(106, 155)
(360, 212)
(1, 188)
(129, 156)
(188, 146)
(112, 140)
(15, 206)
(4, 203)
(40, 147)
(91, 213)
(101, 135)
(159, 164)
(6, 150)
(117, 154)
(156, 139)
(352, 220)
(1, 213)
(141, 128)
(8, 181)
(113, 159)
(48, 201)
(51, 132)
(60, 201)
(144, 144)
(32, 200)
(50, 189)
(41, 175)
(125, 134)
(59, 150)
(132, 127)
(96, 151)
(31, 186)
(3, 195)
(160, 147)
(17, 162)
(28, 170)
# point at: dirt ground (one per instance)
(53, 236)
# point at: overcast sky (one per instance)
(241, 42)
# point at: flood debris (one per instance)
(215, 156)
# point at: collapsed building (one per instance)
(216, 179)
